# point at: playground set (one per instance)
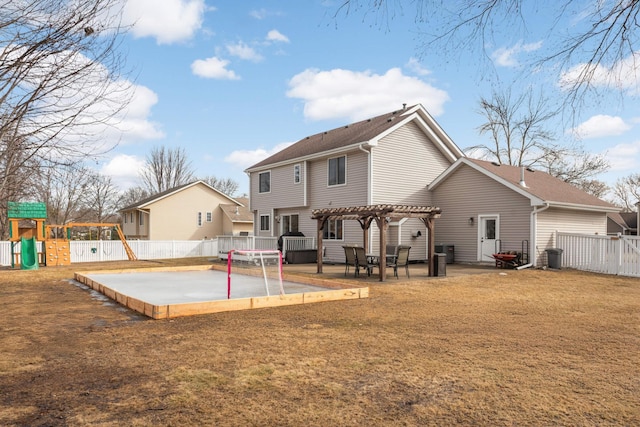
(55, 250)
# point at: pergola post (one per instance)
(431, 245)
(383, 225)
(321, 222)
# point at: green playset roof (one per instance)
(26, 210)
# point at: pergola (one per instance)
(382, 214)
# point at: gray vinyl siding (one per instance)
(404, 163)
(467, 193)
(353, 193)
(284, 192)
(566, 220)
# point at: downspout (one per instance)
(533, 242)
(369, 186)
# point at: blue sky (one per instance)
(234, 81)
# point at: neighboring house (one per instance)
(192, 211)
(625, 223)
(237, 219)
(406, 158)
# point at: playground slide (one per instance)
(28, 254)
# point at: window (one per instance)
(332, 230)
(125, 218)
(289, 223)
(141, 218)
(131, 217)
(265, 221)
(209, 217)
(337, 171)
(199, 219)
(296, 174)
(265, 182)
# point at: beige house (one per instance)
(406, 158)
(192, 211)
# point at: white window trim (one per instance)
(334, 240)
(268, 222)
(199, 219)
(282, 220)
(259, 188)
(209, 216)
(345, 171)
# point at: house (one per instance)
(386, 159)
(625, 223)
(406, 158)
(192, 211)
(237, 219)
(488, 207)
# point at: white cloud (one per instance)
(259, 13)
(277, 36)
(213, 68)
(123, 170)
(244, 51)
(416, 67)
(243, 159)
(623, 75)
(506, 57)
(599, 126)
(134, 123)
(357, 95)
(624, 157)
(168, 21)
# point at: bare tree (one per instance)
(133, 195)
(103, 198)
(519, 137)
(627, 192)
(602, 36)
(64, 189)
(60, 81)
(517, 127)
(225, 185)
(166, 168)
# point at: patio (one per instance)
(419, 272)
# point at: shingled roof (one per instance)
(158, 196)
(341, 137)
(537, 184)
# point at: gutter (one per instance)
(534, 244)
(369, 144)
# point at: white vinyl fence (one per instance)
(112, 250)
(601, 254)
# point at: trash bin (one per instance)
(439, 264)
(448, 250)
(554, 257)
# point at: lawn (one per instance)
(527, 347)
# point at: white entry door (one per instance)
(489, 233)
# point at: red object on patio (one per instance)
(505, 260)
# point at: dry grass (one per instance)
(526, 348)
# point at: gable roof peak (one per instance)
(363, 131)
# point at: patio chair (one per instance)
(401, 260)
(350, 259)
(362, 261)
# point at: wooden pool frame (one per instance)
(334, 292)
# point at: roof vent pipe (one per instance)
(522, 182)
